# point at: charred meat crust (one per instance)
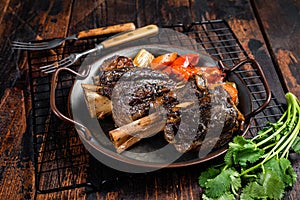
(212, 115)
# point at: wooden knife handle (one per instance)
(130, 36)
(106, 30)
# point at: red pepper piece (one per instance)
(187, 60)
(160, 62)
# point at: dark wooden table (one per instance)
(268, 31)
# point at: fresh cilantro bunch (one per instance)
(257, 168)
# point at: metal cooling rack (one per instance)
(61, 161)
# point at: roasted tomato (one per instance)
(187, 60)
(163, 61)
(185, 65)
(181, 67)
(183, 72)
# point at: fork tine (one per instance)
(55, 64)
(22, 45)
(30, 48)
(37, 45)
(28, 43)
(52, 67)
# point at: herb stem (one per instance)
(269, 146)
(251, 169)
(262, 134)
(296, 130)
(279, 130)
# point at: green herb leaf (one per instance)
(222, 183)
(296, 145)
(236, 182)
(269, 186)
(273, 186)
(241, 151)
(226, 196)
(253, 191)
(210, 173)
(228, 158)
(283, 168)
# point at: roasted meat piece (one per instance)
(110, 73)
(138, 93)
(194, 109)
(214, 116)
(117, 62)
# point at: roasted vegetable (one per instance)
(162, 61)
(183, 67)
(98, 105)
(143, 58)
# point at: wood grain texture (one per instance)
(25, 20)
(87, 15)
(3, 8)
(166, 184)
(164, 13)
(66, 195)
(31, 20)
(125, 12)
(55, 14)
(284, 38)
(16, 174)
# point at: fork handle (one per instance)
(130, 36)
(106, 30)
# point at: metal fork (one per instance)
(66, 62)
(40, 45)
(120, 39)
(83, 34)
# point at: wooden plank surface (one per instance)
(16, 173)
(87, 15)
(284, 38)
(30, 20)
(3, 8)
(53, 15)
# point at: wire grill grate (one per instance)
(61, 161)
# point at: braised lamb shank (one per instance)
(192, 109)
